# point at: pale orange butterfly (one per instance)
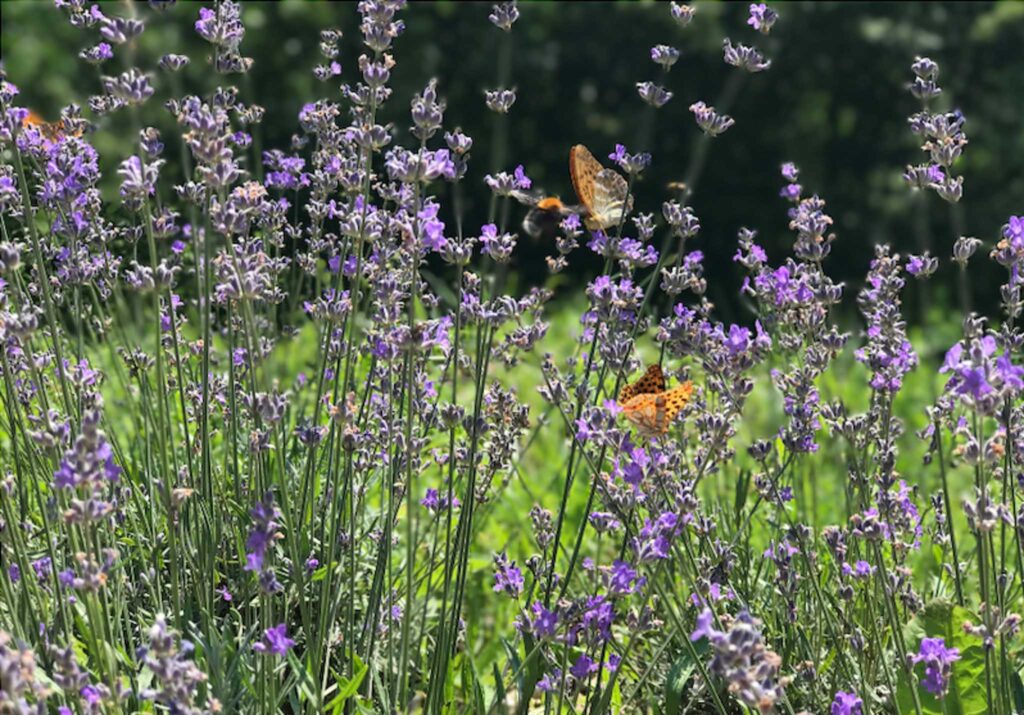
(603, 192)
(50, 130)
(651, 408)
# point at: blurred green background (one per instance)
(835, 101)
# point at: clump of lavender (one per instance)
(177, 679)
(741, 659)
(289, 402)
(21, 691)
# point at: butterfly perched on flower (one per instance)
(51, 131)
(649, 406)
(603, 192)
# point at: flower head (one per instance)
(846, 704)
(744, 57)
(655, 95)
(938, 664)
(762, 18)
(504, 15)
(664, 55)
(711, 122)
(275, 641)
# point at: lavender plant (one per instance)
(257, 425)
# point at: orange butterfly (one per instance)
(603, 192)
(50, 130)
(649, 406)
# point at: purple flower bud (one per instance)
(498, 247)
(938, 664)
(711, 122)
(504, 15)
(964, 248)
(632, 164)
(173, 63)
(500, 100)
(665, 56)
(762, 18)
(522, 180)
(655, 95)
(120, 30)
(846, 704)
(275, 641)
(427, 112)
(139, 180)
(131, 87)
(507, 578)
(97, 54)
(922, 266)
(682, 13)
(746, 58)
(326, 72)
(223, 26)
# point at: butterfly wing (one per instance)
(611, 202)
(651, 382)
(49, 130)
(642, 412)
(32, 120)
(676, 399)
(583, 169)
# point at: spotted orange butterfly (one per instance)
(649, 406)
(603, 192)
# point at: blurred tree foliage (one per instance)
(835, 101)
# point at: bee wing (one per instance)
(530, 198)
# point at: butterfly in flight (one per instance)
(649, 406)
(603, 192)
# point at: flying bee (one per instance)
(546, 213)
(678, 187)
